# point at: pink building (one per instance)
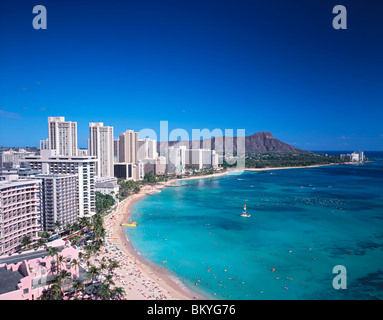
(25, 276)
(20, 206)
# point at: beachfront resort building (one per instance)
(59, 200)
(107, 185)
(147, 149)
(20, 212)
(101, 145)
(62, 136)
(82, 167)
(356, 156)
(160, 168)
(25, 276)
(148, 155)
(129, 152)
(129, 171)
(123, 171)
(128, 147)
(176, 160)
(181, 158)
(199, 159)
(156, 166)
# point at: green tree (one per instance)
(103, 202)
(57, 225)
(150, 177)
(78, 286)
(84, 221)
(25, 242)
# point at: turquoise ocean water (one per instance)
(303, 223)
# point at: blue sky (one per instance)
(255, 65)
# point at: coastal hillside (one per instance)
(257, 142)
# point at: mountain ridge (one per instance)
(257, 142)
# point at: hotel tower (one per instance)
(62, 136)
(128, 147)
(101, 145)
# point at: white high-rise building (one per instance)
(356, 156)
(116, 150)
(44, 144)
(101, 145)
(147, 149)
(128, 145)
(361, 156)
(59, 200)
(214, 159)
(82, 167)
(198, 158)
(62, 136)
(176, 160)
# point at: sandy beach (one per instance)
(140, 278)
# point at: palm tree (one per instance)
(75, 240)
(84, 221)
(78, 286)
(107, 289)
(109, 280)
(75, 263)
(117, 292)
(69, 227)
(80, 255)
(55, 290)
(104, 291)
(26, 241)
(103, 266)
(64, 276)
(87, 263)
(53, 251)
(40, 242)
(57, 225)
(93, 272)
(113, 264)
(60, 260)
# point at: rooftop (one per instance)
(31, 254)
(15, 258)
(16, 183)
(9, 280)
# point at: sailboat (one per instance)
(244, 214)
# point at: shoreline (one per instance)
(159, 276)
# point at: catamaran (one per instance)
(129, 224)
(244, 214)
